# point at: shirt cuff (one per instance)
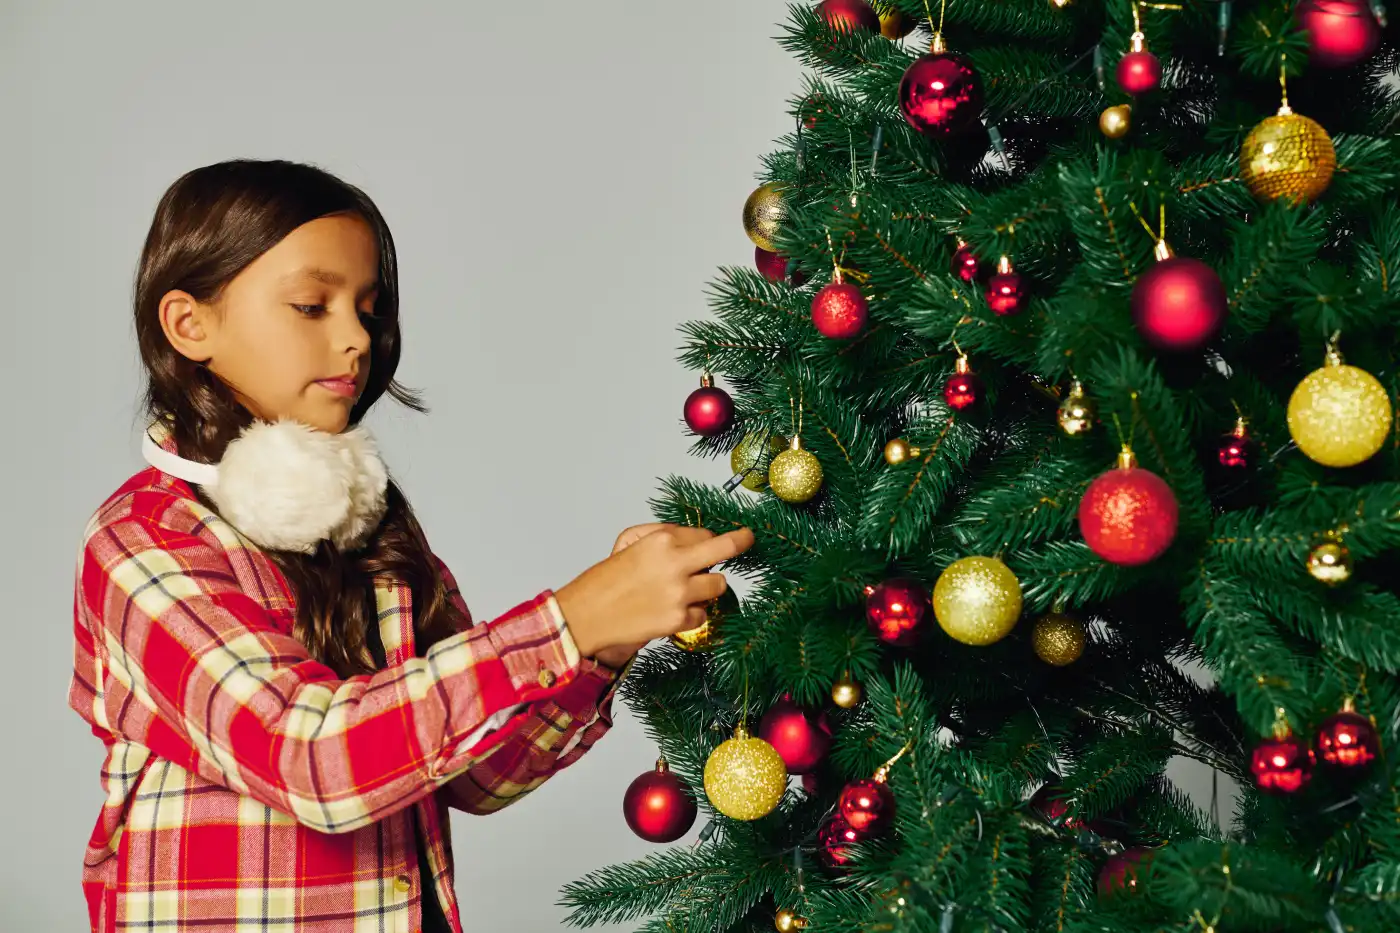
(534, 644)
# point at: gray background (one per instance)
(562, 178)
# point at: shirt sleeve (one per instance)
(199, 672)
(556, 731)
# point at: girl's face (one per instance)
(286, 335)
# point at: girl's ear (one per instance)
(189, 325)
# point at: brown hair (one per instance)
(209, 226)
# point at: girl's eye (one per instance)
(311, 310)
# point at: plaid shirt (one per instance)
(248, 787)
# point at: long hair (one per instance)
(209, 226)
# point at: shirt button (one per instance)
(403, 882)
(547, 678)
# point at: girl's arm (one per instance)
(558, 731)
(198, 672)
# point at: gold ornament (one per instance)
(752, 458)
(786, 921)
(764, 212)
(704, 636)
(1115, 121)
(1330, 562)
(1076, 412)
(845, 693)
(1058, 639)
(977, 600)
(795, 474)
(1339, 415)
(1287, 156)
(894, 23)
(898, 451)
(745, 777)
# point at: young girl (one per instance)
(288, 684)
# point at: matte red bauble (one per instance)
(1120, 872)
(1282, 765)
(775, 267)
(835, 839)
(1341, 33)
(1348, 740)
(657, 806)
(965, 263)
(897, 611)
(1054, 808)
(1128, 515)
(839, 311)
(1139, 72)
(709, 410)
(867, 806)
(848, 15)
(801, 737)
(940, 93)
(1179, 303)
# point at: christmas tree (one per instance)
(1066, 371)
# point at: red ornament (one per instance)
(657, 806)
(867, 806)
(1282, 765)
(709, 410)
(1348, 740)
(1054, 808)
(963, 388)
(940, 93)
(1139, 71)
(801, 737)
(775, 266)
(1236, 447)
(1341, 33)
(848, 15)
(1120, 872)
(1006, 293)
(835, 839)
(965, 265)
(839, 311)
(1128, 514)
(897, 611)
(1178, 304)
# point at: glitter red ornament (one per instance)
(1120, 872)
(709, 410)
(1128, 515)
(1282, 764)
(965, 264)
(657, 806)
(867, 806)
(801, 737)
(1179, 304)
(839, 310)
(848, 15)
(1341, 33)
(1006, 293)
(940, 93)
(897, 611)
(1236, 447)
(834, 841)
(1348, 740)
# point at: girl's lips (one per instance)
(345, 388)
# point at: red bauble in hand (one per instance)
(1120, 872)
(848, 15)
(1348, 740)
(839, 311)
(834, 840)
(657, 806)
(1006, 292)
(709, 410)
(1282, 765)
(940, 94)
(800, 736)
(965, 265)
(1178, 304)
(867, 806)
(775, 266)
(1128, 515)
(1341, 33)
(897, 611)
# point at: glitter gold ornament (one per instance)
(1076, 412)
(1287, 156)
(845, 693)
(1115, 121)
(752, 458)
(1330, 562)
(706, 635)
(745, 777)
(1058, 639)
(977, 600)
(795, 474)
(785, 921)
(1339, 415)
(898, 451)
(764, 212)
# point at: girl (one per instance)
(288, 684)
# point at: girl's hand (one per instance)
(655, 583)
(617, 657)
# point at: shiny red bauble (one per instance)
(849, 15)
(1282, 765)
(1128, 516)
(839, 311)
(776, 267)
(962, 390)
(1179, 304)
(1120, 872)
(801, 737)
(1054, 808)
(898, 611)
(1235, 450)
(867, 806)
(940, 94)
(1341, 33)
(657, 806)
(1348, 740)
(1006, 293)
(834, 841)
(709, 410)
(965, 265)
(1139, 72)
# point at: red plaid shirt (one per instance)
(247, 787)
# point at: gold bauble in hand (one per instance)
(752, 458)
(745, 777)
(1058, 639)
(977, 600)
(1115, 121)
(1330, 563)
(1287, 156)
(764, 212)
(706, 635)
(795, 474)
